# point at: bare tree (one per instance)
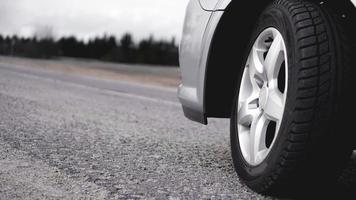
(44, 33)
(46, 46)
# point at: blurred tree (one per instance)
(106, 47)
(44, 33)
(2, 44)
(69, 47)
(127, 48)
(45, 45)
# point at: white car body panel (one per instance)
(198, 31)
(190, 50)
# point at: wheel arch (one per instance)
(223, 65)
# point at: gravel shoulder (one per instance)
(166, 76)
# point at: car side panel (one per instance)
(196, 21)
(198, 32)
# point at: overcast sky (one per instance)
(88, 18)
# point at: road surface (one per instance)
(76, 137)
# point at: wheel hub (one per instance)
(260, 100)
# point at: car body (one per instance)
(208, 78)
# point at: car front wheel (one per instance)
(287, 130)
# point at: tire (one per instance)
(312, 143)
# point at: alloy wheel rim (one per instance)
(262, 96)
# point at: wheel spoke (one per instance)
(256, 68)
(247, 111)
(274, 58)
(274, 106)
(258, 137)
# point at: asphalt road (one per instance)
(74, 137)
(67, 136)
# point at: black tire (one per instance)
(313, 143)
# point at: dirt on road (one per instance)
(166, 76)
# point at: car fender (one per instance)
(214, 5)
(206, 44)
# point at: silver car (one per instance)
(281, 70)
